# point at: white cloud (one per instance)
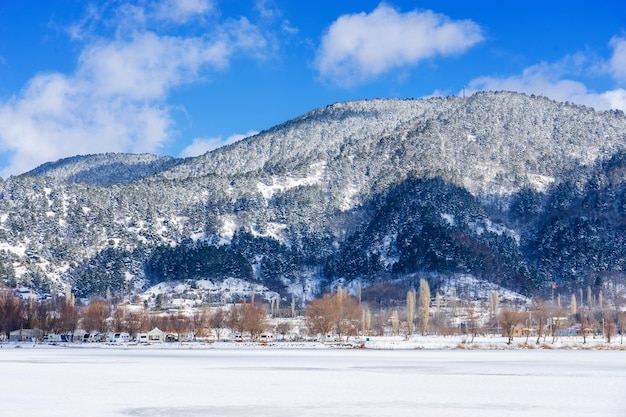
(83, 27)
(182, 11)
(360, 47)
(59, 116)
(267, 9)
(287, 28)
(554, 80)
(201, 146)
(115, 101)
(147, 66)
(617, 62)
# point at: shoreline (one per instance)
(487, 343)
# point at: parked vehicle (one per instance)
(53, 338)
(119, 337)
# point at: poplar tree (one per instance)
(395, 323)
(410, 310)
(424, 304)
(494, 302)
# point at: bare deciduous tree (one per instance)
(68, 318)
(584, 324)
(541, 314)
(283, 328)
(349, 315)
(96, 317)
(608, 327)
(340, 312)
(11, 313)
(119, 319)
(234, 320)
(46, 315)
(218, 322)
(509, 319)
(556, 316)
(473, 326)
(253, 318)
(179, 323)
(133, 323)
(199, 321)
(621, 321)
(321, 316)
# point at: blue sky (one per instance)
(183, 77)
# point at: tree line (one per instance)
(337, 315)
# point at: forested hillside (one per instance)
(513, 189)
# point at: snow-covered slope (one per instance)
(104, 169)
(489, 143)
(512, 188)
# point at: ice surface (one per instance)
(222, 381)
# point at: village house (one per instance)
(26, 335)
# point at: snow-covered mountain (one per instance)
(104, 169)
(518, 190)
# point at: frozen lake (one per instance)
(155, 382)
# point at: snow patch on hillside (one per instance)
(540, 182)
(496, 228)
(468, 287)
(388, 253)
(349, 197)
(204, 291)
(229, 226)
(17, 250)
(449, 218)
(284, 183)
(273, 230)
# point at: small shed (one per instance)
(156, 335)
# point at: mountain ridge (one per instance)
(298, 203)
(104, 169)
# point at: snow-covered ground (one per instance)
(203, 380)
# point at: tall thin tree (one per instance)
(424, 305)
(410, 311)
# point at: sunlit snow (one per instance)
(193, 382)
(283, 183)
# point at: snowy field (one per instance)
(193, 382)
